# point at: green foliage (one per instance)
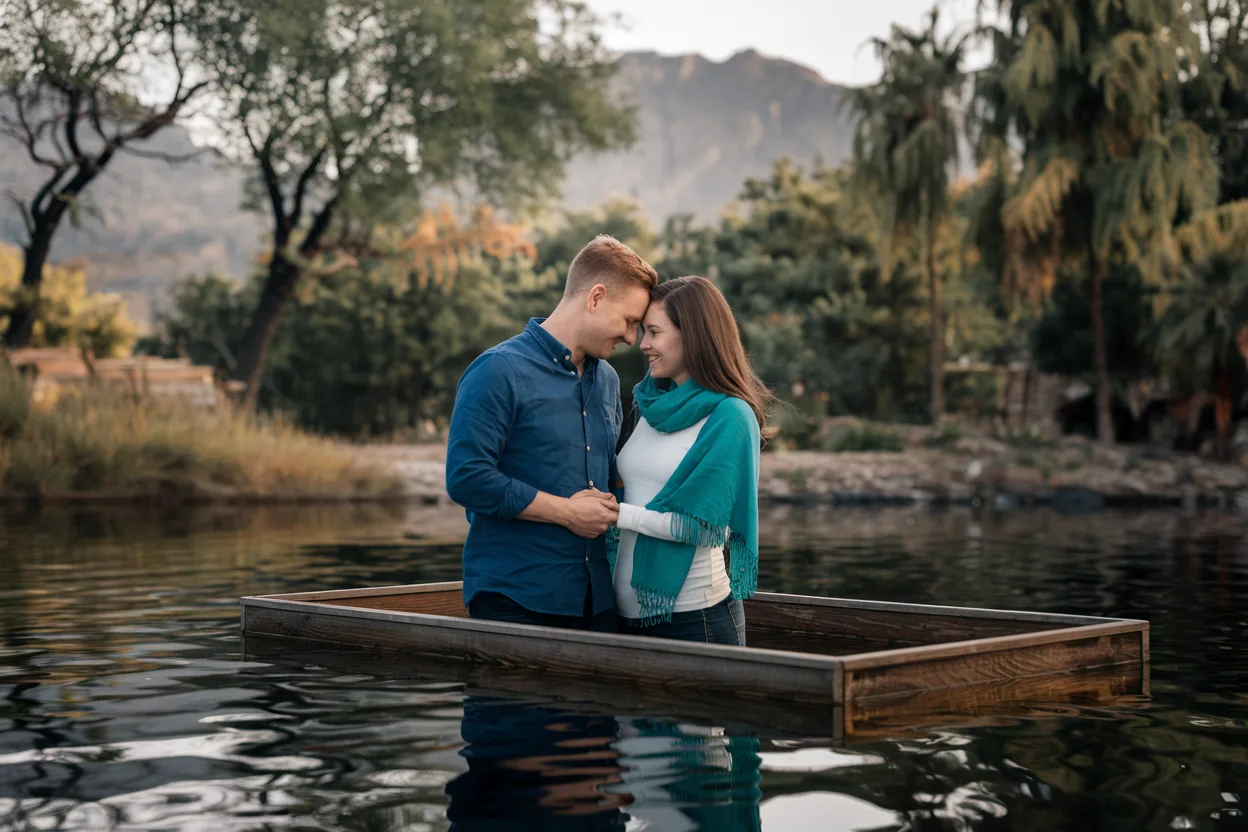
(864, 437)
(1062, 335)
(364, 352)
(1194, 337)
(69, 316)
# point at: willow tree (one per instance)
(906, 154)
(344, 106)
(1089, 91)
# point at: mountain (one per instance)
(703, 127)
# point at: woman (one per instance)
(689, 469)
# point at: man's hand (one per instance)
(591, 512)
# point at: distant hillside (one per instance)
(703, 128)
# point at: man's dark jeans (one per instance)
(493, 606)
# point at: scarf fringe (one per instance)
(657, 607)
(742, 567)
(691, 531)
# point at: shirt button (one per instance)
(587, 447)
(567, 358)
(556, 360)
(584, 413)
(591, 482)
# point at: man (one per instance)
(532, 450)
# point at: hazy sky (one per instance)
(826, 35)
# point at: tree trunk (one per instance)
(26, 308)
(1223, 406)
(938, 330)
(1100, 361)
(279, 287)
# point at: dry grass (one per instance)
(101, 443)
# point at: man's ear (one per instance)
(597, 294)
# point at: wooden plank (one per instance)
(709, 668)
(776, 718)
(1111, 685)
(887, 658)
(862, 629)
(931, 609)
(447, 602)
(363, 592)
(922, 678)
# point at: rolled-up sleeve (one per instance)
(485, 409)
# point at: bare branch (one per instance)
(71, 126)
(40, 205)
(29, 136)
(22, 211)
(305, 178)
(264, 155)
(319, 225)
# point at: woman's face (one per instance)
(662, 345)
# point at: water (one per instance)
(126, 701)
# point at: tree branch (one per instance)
(28, 135)
(38, 208)
(264, 155)
(71, 126)
(305, 178)
(320, 225)
(22, 211)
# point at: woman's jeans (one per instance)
(723, 623)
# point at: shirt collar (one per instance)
(554, 348)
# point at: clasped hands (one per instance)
(591, 512)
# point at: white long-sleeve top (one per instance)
(645, 463)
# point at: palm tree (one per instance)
(906, 154)
(1088, 90)
(1195, 336)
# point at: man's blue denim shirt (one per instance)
(524, 422)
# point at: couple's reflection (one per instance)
(544, 767)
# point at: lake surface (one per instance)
(127, 702)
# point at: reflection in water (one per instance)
(544, 767)
(534, 767)
(126, 700)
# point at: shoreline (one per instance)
(1072, 474)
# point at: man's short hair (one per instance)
(607, 261)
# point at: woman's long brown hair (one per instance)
(711, 340)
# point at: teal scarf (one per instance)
(713, 490)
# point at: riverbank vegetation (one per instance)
(89, 442)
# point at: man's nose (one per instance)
(630, 336)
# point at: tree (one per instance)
(906, 153)
(68, 75)
(1090, 92)
(345, 107)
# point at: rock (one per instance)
(980, 446)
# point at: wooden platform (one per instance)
(852, 666)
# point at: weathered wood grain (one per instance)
(445, 602)
(1015, 665)
(850, 630)
(878, 661)
(709, 669)
(777, 718)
